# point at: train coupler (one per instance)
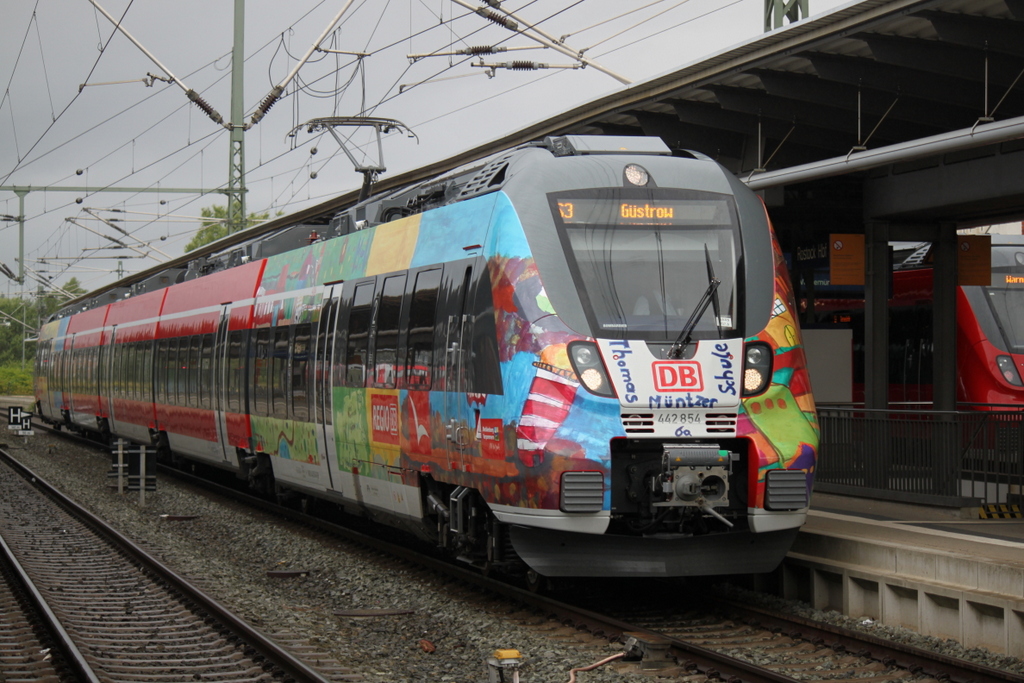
(694, 475)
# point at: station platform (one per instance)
(942, 572)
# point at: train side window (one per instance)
(422, 319)
(299, 372)
(173, 370)
(339, 369)
(170, 361)
(115, 356)
(133, 370)
(122, 369)
(161, 368)
(279, 378)
(236, 370)
(358, 335)
(194, 349)
(141, 368)
(180, 371)
(132, 351)
(261, 372)
(389, 316)
(279, 374)
(206, 383)
(183, 371)
(147, 371)
(485, 364)
(140, 359)
(322, 364)
(125, 366)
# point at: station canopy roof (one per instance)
(870, 75)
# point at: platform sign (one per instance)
(846, 259)
(974, 260)
(19, 421)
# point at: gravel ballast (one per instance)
(435, 631)
(443, 632)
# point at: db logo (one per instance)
(681, 375)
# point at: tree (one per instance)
(20, 318)
(49, 302)
(14, 315)
(214, 230)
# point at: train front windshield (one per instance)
(640, 263)
(1006, 295)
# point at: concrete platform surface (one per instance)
(934, 570)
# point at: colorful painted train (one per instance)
(516, 360)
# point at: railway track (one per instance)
(706, 640)
(31, 646)
(130, 617)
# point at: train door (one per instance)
(323, 353)
(220, 386)
(458, 427)
(64, 397)
(108, 379)
(74, 380)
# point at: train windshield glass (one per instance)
(1006, 295)
(640, 265)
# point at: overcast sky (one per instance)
(106, 134)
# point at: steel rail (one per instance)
(277, 655)
(943, 667)
(714, 664)
(69, 651)
(934, 664)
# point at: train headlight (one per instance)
(1008, 370)
(757, 368)
(587, 364)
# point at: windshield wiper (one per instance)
(715, 307)
(710, 296)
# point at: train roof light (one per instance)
(636, 175)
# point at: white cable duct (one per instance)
(967, 138)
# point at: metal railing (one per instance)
(958, 458)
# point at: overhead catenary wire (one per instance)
(42, 60)
(539, 35)
(189, 92)
(3, 181)
(634, 10)
(28, 29)
(275, 92)
(152, 127)
(374, 102)
(634, 26)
